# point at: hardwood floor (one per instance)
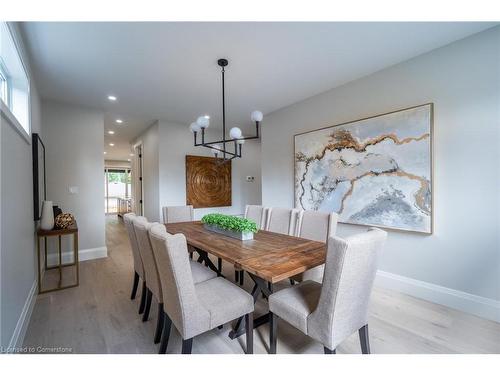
(99, 317)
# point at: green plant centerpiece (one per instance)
(232, 226)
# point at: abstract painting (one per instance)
(375, 171)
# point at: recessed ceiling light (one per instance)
(128, 159)
(206, 116)
(105, 152)
(111, 144)
(119, 121)
(111, 132)
(131, 154)
(112, 98)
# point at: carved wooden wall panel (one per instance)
(208, 183)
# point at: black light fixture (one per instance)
(219, 148)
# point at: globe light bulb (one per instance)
(203, 122)
(216, 150)
(256, 116)
(235, 133)
(194, 127)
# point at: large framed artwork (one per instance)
(375, 171)
(208, 182)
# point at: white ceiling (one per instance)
(169, 71)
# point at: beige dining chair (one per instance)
(177, 214)
(332, 311)
(316, 226)
(138, 265)
(281, 220)
(256, 214)
(195, 308)
(153, 286)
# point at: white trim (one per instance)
(17, 338)
(83, 255)
(9, 117)
(470, 303)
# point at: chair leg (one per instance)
(249, 329)
(273, 332)
(329, 351)
(135, 285)
(187, 346)
(167, 324)
(292, 282)
(219, 265)
(191, 255)
(149, 297)
(143, 297)
(242, 277)
(159, 324)
(364, 340)
(236, 276)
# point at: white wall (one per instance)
(463, 81)
(17, 250)
(173, 142)
(74, 141)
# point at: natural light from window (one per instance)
(14, 83)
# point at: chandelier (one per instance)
(227, 148)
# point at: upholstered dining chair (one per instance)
(332, 311)
(177, 214)
(152, 272)
(195, 308)
(138, 265)
(281, 220)
(316, 226)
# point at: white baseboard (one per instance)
(85, 254)
(17, 338)
(456, 299)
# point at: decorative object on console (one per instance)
(231, 226)
(376, 171)
(207, 183)
(47, 218)
(57, 210)
(64, 221)
(235, 134)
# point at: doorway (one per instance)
(117, 191)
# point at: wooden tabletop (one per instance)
(271, 256)
(57, 232)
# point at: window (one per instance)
(14, 83)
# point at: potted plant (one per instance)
(231, 226)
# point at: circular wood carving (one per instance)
(208, 182)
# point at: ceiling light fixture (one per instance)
(111, 144)
(111, 132)
(236, 136)
(105, 152)
(119, 121)
(131, 154)
(112, 98)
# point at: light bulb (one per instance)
(216, 150)
(235, 133)
(194, 127)
(256, 116)
(203, 122)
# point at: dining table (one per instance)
(268, 258)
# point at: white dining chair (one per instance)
(315, 226)
(332, 311)
(177, 214)
(138, 265)
(256, 214)
(195, 308)
(281, 220)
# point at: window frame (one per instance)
(5, 110)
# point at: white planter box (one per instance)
(243, 236)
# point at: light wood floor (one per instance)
(99, 317)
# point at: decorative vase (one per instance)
(47, 219)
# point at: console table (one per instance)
(45, 234)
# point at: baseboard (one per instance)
(470, 303)
(17, 338)
(85, 254)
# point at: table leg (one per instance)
(77, 264)
(204, 258)
(45, 250)
(38, 259)
(260, 286)
(60, 261)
